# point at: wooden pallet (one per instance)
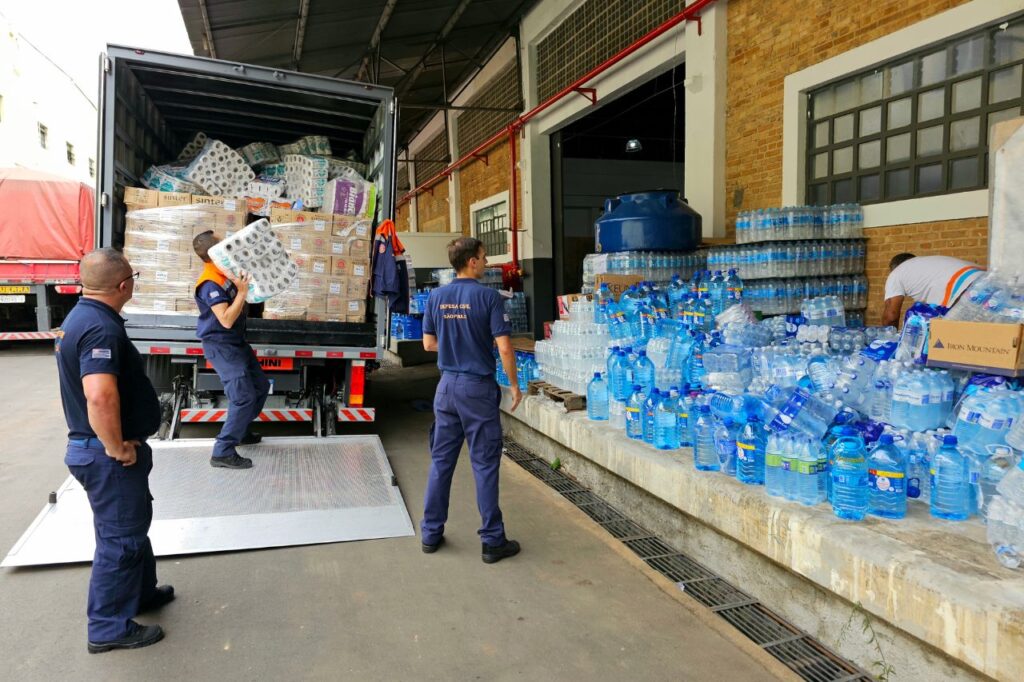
(572, 401)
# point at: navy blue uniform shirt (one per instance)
(466, 317)
(209, 328)
(94, 342)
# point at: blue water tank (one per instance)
(657, 220)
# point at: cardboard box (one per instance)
(319, 222)
(547, 329)
(617, 283)
(565, 300)
(346, 266)
(173, 199)
(230, 220)
(976, 346)
(358, 287)
(358, 248)
(336, 305)
(320, 265)
(140, 197)
(349, 227)
(337, 286)
(354, 308)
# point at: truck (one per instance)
(46, 226)
(151, 104)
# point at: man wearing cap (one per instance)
(111, 409)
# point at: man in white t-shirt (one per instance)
(938, 280)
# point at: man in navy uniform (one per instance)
(221, 328)
(463, 322)
(111, 408)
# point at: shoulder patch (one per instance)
(213, 294)
(101, 353)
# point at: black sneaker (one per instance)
(164, 594)
(430, 549)
(495, 554)
(142, 635)
(234, 461)
(251, 438)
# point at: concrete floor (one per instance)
(572, 606)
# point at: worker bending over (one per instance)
(221, 328)
(936, 280)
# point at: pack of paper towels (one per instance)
(256, 250)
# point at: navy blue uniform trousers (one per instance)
(123, 567)
(465, 409)
(246, 386)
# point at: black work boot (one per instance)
(251, 438)
(498, 552)
(140, 636)
(164, 594)
(233, 461)
(430, 549)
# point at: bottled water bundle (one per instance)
(995, 296)
(791, 259)
(653, 266)
(800, 222)
(575, 351)
(778, 297)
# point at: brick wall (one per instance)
(402, 223)
(478, 181)
(432, 210)
(768, 41)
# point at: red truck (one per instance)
(46, 226)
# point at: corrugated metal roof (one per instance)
(343, 38)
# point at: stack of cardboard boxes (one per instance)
(332, 252)
(333, 255)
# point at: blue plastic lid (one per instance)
(597, 375)
(673, 388)
(885, 439)
(642, 353)
(732, 271)
(636, 387)
(949, 440)
(729, 422)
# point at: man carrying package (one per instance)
(221, 328)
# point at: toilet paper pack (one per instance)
(350, 195)
(260, 153)
(306, 177)
(316, 145)
(256, 250)
(336, 167)
(157, 177)
(220, 170)
(193, 148)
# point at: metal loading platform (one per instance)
(300, 491)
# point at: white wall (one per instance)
(34, 91)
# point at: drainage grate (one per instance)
(801, 653)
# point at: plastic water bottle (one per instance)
(705, 458)
(790, 465)
(666, 423)
(1005, 515)
(643, 371)
(619, 376)
(810, 472)
(635, 414)
(717, 292)
(725, 445)
(733, 288)
(993, 470)
(822, 373)
(950, 483)
(609, 362)
(603, 304)
(887, 475)
(917, 467)
(597, 398)
(849, 476)
(695, 371)
(750, 452)
(774, 475)
(650, 407)
(911, 346)
(685, 412)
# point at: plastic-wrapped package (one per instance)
(350, 195)
(160, 179)
(317, 145)
(256, 250)
(273, 170)
(220, 170)
(336, 167)
(306, 177)
(262, 193)
(259, 153)
(192, 149)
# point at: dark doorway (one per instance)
(596, 158)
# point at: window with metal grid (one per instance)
(593, 33)
(918, 125)
(490, 225)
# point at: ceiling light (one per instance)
(634, 146)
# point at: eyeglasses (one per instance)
(134, 275)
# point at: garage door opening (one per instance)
(633, 143)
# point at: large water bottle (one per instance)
(635, 414)
(911, 346)
(643, 372)
(822, 372)
(791, 464)
(887, 476)
(695, 372)
(684, 410)
(733, 288)
(676, 290)
(849, 476)
(666, 423)
(604, 303)
(610, 362)
(725, 446)
(774, 475)
(750, 452)
(1005, 516)
(950, 484)
(717, 292)
(811, 472)
(997, 416)
(621, 381)
(650, 408)
(705, 457)
(597, 398)
(918, 478)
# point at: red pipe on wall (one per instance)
(688, 13)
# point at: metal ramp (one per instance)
(301, 491)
